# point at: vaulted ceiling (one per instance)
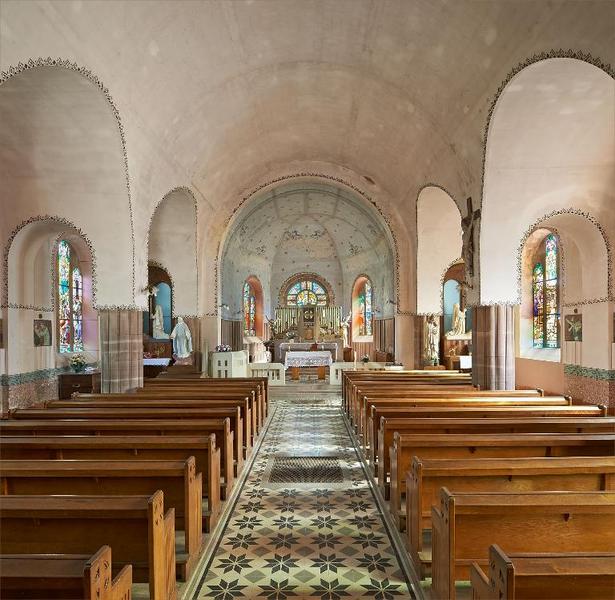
(222, 95)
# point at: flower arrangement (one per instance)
(365, 358)
(77, 363)
(223, 348)
(291, 335)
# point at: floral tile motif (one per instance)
(317, 540)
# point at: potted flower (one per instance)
(223, 348)
(365, 359)
(77, 363)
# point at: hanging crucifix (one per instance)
(468, 223)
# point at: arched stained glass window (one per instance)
(306, 293)
(365, 301)
(545, 293)
(249, 309)
(70, 300)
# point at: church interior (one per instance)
(307, 299)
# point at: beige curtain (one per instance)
(493, 347)
(121, 349)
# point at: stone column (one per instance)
(405, 340)
(493, 347)
(210, 337)
(121, 349)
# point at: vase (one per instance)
(78, 368)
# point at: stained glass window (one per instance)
(70, 300)
(249, 309)
(306, 293)
(365, 302)
(546, 317)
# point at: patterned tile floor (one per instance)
(317, 540)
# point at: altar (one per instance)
(294, 360)
(281, 348)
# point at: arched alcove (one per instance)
(439, 245)
(362, 310)
(253, 307)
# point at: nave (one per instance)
(310, 527)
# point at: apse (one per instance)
(307, 230)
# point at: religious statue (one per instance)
(468, 224)
(459, 321)
(158, 327)
(346, 330)
(432, 339)
(182, 339)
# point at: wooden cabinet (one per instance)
(86, 383)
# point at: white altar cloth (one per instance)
(157, 362)
(308, 359)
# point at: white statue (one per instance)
(158, 329)
(182, 339)
(432, 335)
(346, 330)
(459, 323)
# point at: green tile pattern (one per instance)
(324, 541)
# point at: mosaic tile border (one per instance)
(590, 372)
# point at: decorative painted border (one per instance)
(339, 180)
(299, 277)
(186, 190)
(34, 376)
(535, 58)
(61, 221)
(590, 372)
(72, 66)
(609, 253)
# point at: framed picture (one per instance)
(42, 332)
(573, 328)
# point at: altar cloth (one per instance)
(308, 359)
(156, 362)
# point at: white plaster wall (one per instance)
(439, 244)
(172, 243)
(551, 146)
(62, 156)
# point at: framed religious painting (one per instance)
(42, 332)
(573, 328)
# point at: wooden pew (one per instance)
(454, 399)
(487, 445)
(138, 529)
(221, 428)
(531, 576)
(389, 426)
(212, 396)
(259, 383)
(509, 475)
(179, 481)
(466, 525)
(127, 448)
(167, 400)
(377, 411)
(63, 577)
(211, 423)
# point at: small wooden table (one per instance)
(70, 382)
(319, 359)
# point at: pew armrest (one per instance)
(122, 584)
(481, 590)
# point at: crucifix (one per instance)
(468, 223)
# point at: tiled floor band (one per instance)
(298, 531)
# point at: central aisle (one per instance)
(306, 524)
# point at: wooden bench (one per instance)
(473, 446)
(221, 428)
(509, 475)
(260, 384)
(179, 481)
(377, 411)
(454, 399)
(212, 420)
(531, 576)
(138, 529)
(389, 426)
(130, 449)
(466, 525)
(181, 400)
(63, 577)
